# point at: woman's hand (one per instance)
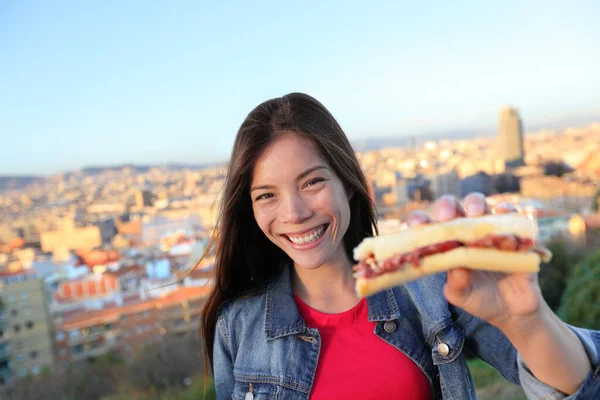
(499, 298)
(513, 303)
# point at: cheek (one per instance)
(336, 203)
(262, 218)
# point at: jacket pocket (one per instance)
(259, 390)
(447, 344)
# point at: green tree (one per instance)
(553, 276)
(596, 203)
(581, 300)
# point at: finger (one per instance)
(447, 208)
(475, 205)
(458, 286)
(504, 208)
(417, 218)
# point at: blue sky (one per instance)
(107, 82)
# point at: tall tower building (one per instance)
(511, 137)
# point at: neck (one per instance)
(328, 288)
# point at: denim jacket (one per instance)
(263, 346)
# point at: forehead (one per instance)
(288, 155)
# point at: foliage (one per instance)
(167, 365)
(553, 276)
(490, 385)
(194, 392)
(158, 373)
(596, 202)
(581, 299)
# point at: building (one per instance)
(87, 335)
(127, 329)
(128, 277)
(26, 334)
(480, 182)
(547, 187)
(106, 208)
(143, 198)
(401, 192)
(446, 183)
(71, 237)
(4, 347)
(511, 137)
(7, 233)
(590, 166)
(108, 229)
(155, 228)
(88, 287)
(506, 183)
(140, 325)
(180, 310)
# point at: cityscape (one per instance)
(118, 120)
(104, 260)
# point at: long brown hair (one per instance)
(245, 258)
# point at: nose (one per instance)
(294, 209)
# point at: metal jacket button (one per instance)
(389, 326)
(249, 396)
(443, 349)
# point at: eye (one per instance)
(263, 196)
(314, 181)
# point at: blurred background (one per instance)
(117, 120)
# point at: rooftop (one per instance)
(87, 318)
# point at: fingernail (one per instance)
(446, 214)
(475, 208)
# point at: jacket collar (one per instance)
(282, 317)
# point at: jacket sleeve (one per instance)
(589, 390)
(223, 361)
(489, 343)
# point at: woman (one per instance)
(284, 322)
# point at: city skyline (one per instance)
(107, 84)
(361, 145)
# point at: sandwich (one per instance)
(498, 242)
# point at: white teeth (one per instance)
(308, 238)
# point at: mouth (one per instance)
(307, 238)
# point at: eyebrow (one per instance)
(300, 176)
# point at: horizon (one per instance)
(110, 84)
(428, 136)
(425, 136)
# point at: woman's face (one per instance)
(299, 202)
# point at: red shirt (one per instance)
(356, 364)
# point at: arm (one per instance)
(223, 362)
(551, 351)
(550, 355)
(491, 345)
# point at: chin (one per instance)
(308, 263)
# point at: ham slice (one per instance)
(370, 268)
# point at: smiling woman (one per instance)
(284, 321)
(304, 209)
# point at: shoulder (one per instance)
(243, 304)
(243, 312)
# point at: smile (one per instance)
(308, 237)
